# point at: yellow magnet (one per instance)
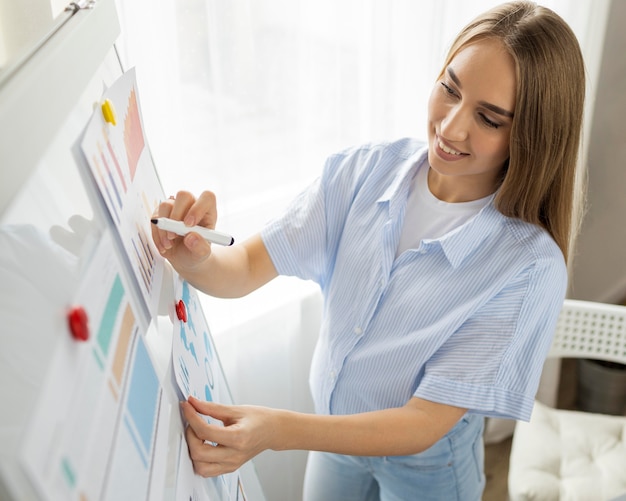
(108, 112)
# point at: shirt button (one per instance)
(358, 331)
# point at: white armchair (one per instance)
(571, 455)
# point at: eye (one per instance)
(488, 122)
(448, 90)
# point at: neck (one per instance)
(458, 189)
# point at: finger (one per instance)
(209, 459)
(224, 413)
(203, 212)
(159, 236)
(212, 469)
(197, 245)
(180, 205)
(203, 430)
(165, 208)
(202, 450)
(183, 201)
(200, 454)
(193, 440)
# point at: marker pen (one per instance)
(178, 227)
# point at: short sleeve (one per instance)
(303, 241)
(296, 241)
(492, 364)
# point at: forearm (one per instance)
(232, 271)
(249, 430)
(391, 432)
(220, 275)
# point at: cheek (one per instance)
(433, 108)
(494, 147)
(503, 148)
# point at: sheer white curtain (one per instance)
(248, 97)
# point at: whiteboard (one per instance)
(59, 249)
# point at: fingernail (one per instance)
(189, 221)
(192, 240)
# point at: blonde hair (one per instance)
(539, 180)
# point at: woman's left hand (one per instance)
(247, 431)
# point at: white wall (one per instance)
(599, 266)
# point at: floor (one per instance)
(497, 455)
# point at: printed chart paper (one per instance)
(94, 432)
(199, 374)
(121, 163)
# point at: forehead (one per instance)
(486, 71)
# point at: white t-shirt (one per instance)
(427, 217)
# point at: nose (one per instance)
(455, 124)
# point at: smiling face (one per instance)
(470, 113)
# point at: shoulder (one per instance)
(509, 250)
(376, 159)
(536, 251)
(402, 149)
(532, 239)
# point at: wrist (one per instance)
(280, 433)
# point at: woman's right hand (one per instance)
(233, 271)
(186, 253)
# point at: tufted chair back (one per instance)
(565, 455)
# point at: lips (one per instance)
(446, 151)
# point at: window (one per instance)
(248, 97)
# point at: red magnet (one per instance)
(78, 323)
(181, 311)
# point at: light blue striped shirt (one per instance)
(465, 319)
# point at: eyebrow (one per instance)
(485, 104)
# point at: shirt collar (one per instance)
(461, 242)
(464, 240)
(405, 174)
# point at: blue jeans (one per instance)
(452, 469)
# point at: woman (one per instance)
(443, 269)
